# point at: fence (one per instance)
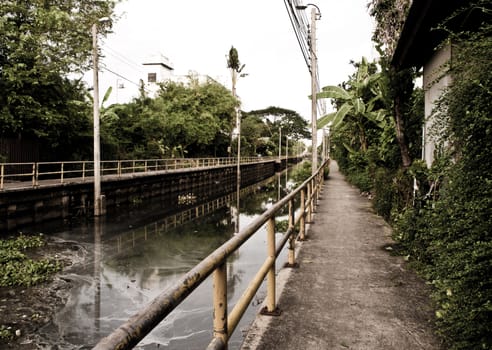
(30, 174)
(138, 326)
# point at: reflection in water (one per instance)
(126, 269)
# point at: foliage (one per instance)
(359, 100)
(17, 269)
(278, 121)
(184, 119)
(41, 44)
(6, 332)
(254, 140)
(448, 230)
(363, 129)
(291, 123)
(301, 173)
(233, 62)
(281, 225)
(390, 16)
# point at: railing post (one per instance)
(83, 171)
(2, 172)
(35, 169)
(309, 200)
(302, 221)
(220, 302)
(313, 196)
(291, 262)
(271, 307)
(145, 167)
(291, 214)
(61, 170)
(118, 170)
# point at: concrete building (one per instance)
(423, 45)
(158, 69)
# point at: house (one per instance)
(158, 69)
(423, 45)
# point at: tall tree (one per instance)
(236, 68)
(290, 121)
(42, 42)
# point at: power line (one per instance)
(104, 67)
(299, 25)
(302, 30)
(120, 57)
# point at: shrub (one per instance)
(15, 266)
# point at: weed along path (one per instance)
(349, 291)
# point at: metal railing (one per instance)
(30, 174)
(139, 325)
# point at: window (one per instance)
(152, 77)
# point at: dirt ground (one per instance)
(24, 310)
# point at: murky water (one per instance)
(126, 265)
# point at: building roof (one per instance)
(420, 35)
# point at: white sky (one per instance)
(196, 35)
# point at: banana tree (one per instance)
(359, 103)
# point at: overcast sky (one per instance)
(196, 35)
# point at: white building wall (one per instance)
(435, 80)
(161, 69)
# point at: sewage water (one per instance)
(126, 263)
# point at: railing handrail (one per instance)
(84, 168)
(139, 325)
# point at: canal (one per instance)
(126, 261)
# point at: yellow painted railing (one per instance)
(139, 325)
(15, 175)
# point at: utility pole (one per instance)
(314, 128)
(98, 202)
(97, 150)
(315, 15)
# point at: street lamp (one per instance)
(98, 206)
(315, 15)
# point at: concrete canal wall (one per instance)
(22, 207)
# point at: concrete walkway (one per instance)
(349, 292)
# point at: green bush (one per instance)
(302, 173)
(361, 179)
(383, 193)
(448, 231)
(15, 266)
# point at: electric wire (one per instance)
(302, 29)
(121, 58)
(104, 67)
(299, 26)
